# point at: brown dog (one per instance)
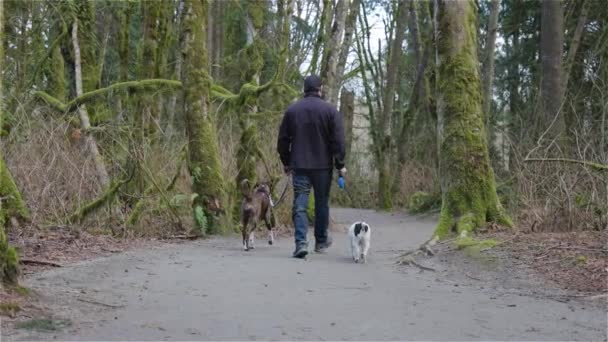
(254, 209)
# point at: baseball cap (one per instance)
(312, 83)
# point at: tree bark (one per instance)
(324, 23)
(347, 108)
(9, 262)
(551, 89)
(385, 148)
(123, 53)
(178, 69)
(247, 152)
(488, 64)
(85, 122)
(87, 45)
(216, 36)
(148, 114)
(468, 186)
(204, 160)
(331, 53)
(349, 29)
(575, 42)
(419, 101)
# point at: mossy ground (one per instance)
(9, 309)
(43, 324)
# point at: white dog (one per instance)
(360, 234)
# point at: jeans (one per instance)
(320, 182)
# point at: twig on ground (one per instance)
(110, 250)
(183, 237)
(600, 296)
(474, 278)
(597, 250)
(100, 303)
(424, 248)
(500, 243)
(38, 262)
(410, 261)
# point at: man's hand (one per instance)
(342, 172)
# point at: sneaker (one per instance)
(300, 252)
(322, 247)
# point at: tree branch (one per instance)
(597, 166)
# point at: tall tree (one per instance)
(349, 29)
(11, 205)
(488, 63)
(324, 26)
(83, 115)
(551, 50)
(125, 13)
(468, 186)
(148, 115)
(385, 146)
(203, 151)
(575, 42)
(331, 54)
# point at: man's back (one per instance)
(311, 135)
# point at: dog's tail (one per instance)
(245, 188)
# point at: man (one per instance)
(311, 141)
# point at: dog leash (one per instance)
(283, 193)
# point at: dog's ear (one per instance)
(358, 227)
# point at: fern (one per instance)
(200, 219)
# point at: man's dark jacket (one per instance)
(311, 135)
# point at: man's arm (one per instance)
(284, 141)
(337, 140)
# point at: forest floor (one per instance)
(211, 289)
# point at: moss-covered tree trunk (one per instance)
(124, 18)
(147, 111)
(178, 69)
(89, 53)
(468, 187)
(11, 203)
(203, 151)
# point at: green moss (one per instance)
(581, 259)
(101, 93)
(9, 309)
(385, 187)
(97, 203)
(246, 157)
(469, 242)
(421, 202)
(85, 14)
(469, 190)
(203, 151)
(57, 83)
(12, 203)
(9, 262)
(21, 290)
(43, 324)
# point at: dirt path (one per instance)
(213, 290)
